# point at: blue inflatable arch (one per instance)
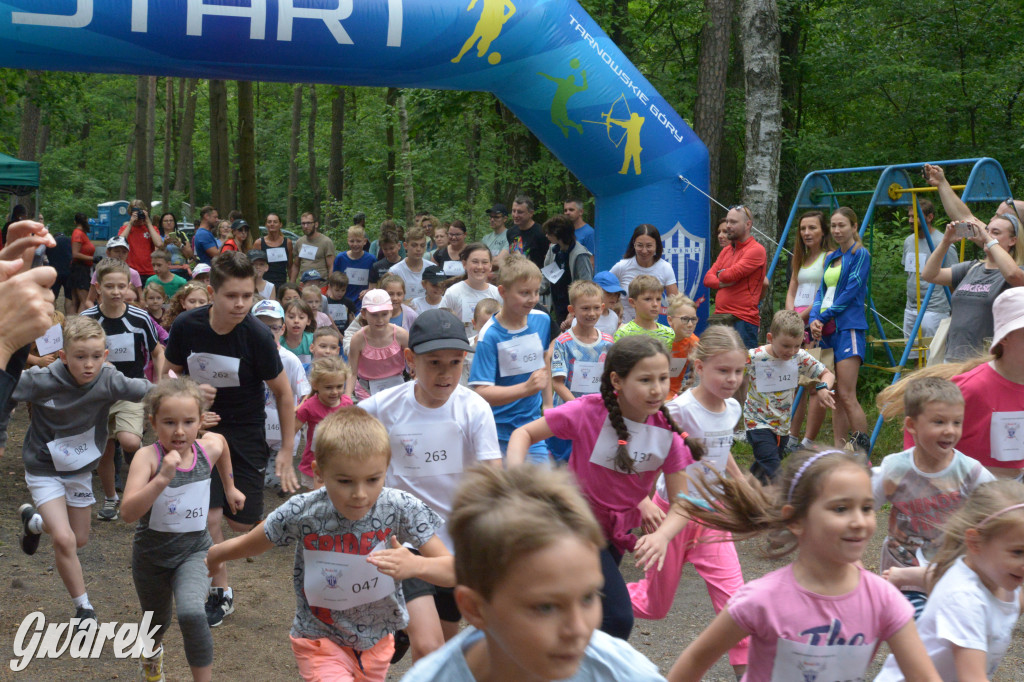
(545, 59)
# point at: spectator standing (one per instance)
(143, 238)
(643, 257)
(738, 275)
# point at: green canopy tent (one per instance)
(19, 178)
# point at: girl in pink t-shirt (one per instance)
(622, 438)
(327, 377)
(824, 615)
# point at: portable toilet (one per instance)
(112, 215)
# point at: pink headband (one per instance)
(1000, 513)
(804, 467)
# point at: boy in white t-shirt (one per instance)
(925, 484)
(433, 284)
(270, 313)
(437, 429)
(411, 268)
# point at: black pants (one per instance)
(618, 609)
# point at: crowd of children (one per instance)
(413, 419)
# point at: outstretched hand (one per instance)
(398, 562)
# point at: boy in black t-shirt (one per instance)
(131, 340)
(230, 354)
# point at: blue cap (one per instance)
(311, 275)
(608, 282)
(268, 307)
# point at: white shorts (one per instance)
(76, 489)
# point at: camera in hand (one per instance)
(963, 230)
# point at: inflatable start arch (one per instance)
(545, 59)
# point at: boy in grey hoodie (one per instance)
(67, 432)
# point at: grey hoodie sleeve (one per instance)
(132, 390)
(29, 385)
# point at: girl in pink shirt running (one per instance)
(823, 616)
(327, 377)
(622, 438)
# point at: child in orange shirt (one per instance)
(682, 316)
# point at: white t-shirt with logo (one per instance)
(463, 428)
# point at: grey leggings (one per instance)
(189, 586)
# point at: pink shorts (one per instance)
(321, 660)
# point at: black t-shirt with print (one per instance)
(250, 342)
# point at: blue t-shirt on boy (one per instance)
(358, 271)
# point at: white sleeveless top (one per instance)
(812, 274)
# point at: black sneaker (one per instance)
(86, 619)
(218, 605)
(109, 510)
(860, 441)
(401, 646)
(32, 525)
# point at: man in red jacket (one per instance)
(738, 275)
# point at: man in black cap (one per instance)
(497, 240)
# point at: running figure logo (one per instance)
(488, 27)
(631, 134)
(560, 102)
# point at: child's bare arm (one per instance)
(253, 543)
(563, 392)
(436, 565)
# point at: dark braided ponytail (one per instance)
(697, 450)
(622, 357)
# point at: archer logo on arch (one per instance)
(630, 122)
(685, 251)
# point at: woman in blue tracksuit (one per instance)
(837, 319)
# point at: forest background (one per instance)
(775, 88)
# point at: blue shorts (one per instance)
(845, 343)
(538, 453)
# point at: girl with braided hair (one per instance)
(709, 413)
(622, 439)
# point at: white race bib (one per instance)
(272, 428)
(1007, 436)
(359, 277)
(908, 261)
(121, 347)
(586, 377)
(717, 445)
(277, 254)
(468, 309)
(454, 268)
(183, 509)
(219, 371)
(378, 385)
(337, 311)
(676, 366)
(795, 661)
(552, 272)
(805, 294)
(828, 298)
(776, 375)
(520, 355)
(308, 252)
(419, 450)
(648, 445)
(71, 453)
(50, 342)
(338, 581)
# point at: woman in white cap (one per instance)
(993, 387)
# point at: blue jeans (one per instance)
(747, 332)
(769, 449)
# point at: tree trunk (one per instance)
(403, 129)
(293, 149)
(759, 26)
(712, 69)
(183, 171)
(150, 138)
(759, 33)
(390, 97)
(44, 138)
(247, 198)
(165, 182)
(141, 145)
(126, 170)
(220, 150)
(472, 141)
(314, 179)
(336, 163)
(82, 137)
(28, 140)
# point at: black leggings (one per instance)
(618, 609)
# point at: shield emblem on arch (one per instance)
(685, 251)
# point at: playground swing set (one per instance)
(894, 189)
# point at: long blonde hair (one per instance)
(890, 400)
(987, 512)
